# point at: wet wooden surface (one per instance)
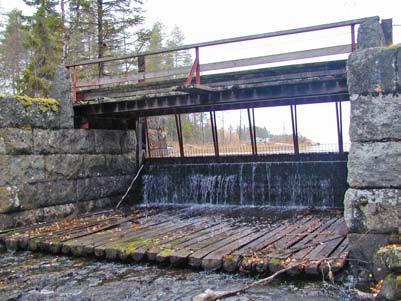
(183, 237)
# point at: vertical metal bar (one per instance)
(254, 131)
(215, 131)
(147, 137)
(339, 127)
(197, 80)
(179, 133)
(294, 128)
(142, 67)
(74, 83)
(353, 45)
(251, 131)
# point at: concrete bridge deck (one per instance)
(205, 239)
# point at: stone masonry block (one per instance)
(373, 71)
(100, 187)
(9, 200)
(128, 141)
(22, 169)
(374, 165)
(15, 141)
(95, 166)
(66, 141)
(47, 194)
(64, 166)
(108, 141)
(370, 34)
(375, 118)
(372, 211)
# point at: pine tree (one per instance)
(45, 46)
(13, 55)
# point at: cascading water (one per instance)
(279, 184)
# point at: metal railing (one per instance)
(195, 70)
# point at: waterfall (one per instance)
(278, 184)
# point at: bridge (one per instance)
(126, 96)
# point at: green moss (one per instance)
(45, 104)
(166, 252)
(276, 261)
(362, 202)
(130, 246)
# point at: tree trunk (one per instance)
(100, 41)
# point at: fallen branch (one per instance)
(210, 295)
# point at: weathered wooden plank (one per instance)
(339, 258)
(190, 240)
(127, 246)
(323, 251)
(87, 244)
(195, 259)
(267, 59)
(180, 256)
(167, 246)
(214, 260)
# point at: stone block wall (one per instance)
(373, 201)
(48, 171)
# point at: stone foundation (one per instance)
(48, 171)
(372, 205)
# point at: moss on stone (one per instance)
(129, 247)
(45, 104)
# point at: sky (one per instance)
(206, 20)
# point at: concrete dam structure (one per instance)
(249, 209)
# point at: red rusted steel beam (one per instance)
(74, 83)
(353, 44)
(141, 66)
(339, 126)
(179, 133)
(197, 80)
(254, 131)
(294, 123)
(195, 69)
(147, 136)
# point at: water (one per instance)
(282, 184)
(34, 277)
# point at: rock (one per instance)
(61, 90)
(64, 166)
(390, 255)
(375, 118)
(373, 70)
(391, 288)
(100, 187)
(25, 169)
(363, 246)
(9, 200)
(74, 141)
(374, 165)
(370, 34)
(128, 141)
(108, 141)
(45, 194)
(15, 141)
(14, 115)
(372, 211)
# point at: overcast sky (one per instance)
(205, 20)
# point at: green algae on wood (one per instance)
(129, 247)
(166, 252)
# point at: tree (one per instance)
(13, 54)
(45, 46)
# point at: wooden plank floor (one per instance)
(316, 242)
